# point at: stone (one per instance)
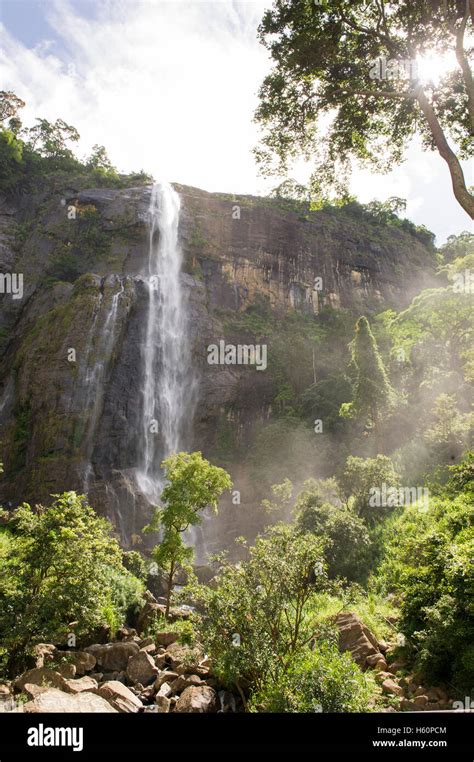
(408, 706)
(141, 668)
(126, 633)
(43, 653)
(383, 646)
(164, 677)
(32, 690)
(82, 660)
(166, 638)
(163, 704)
(148, 641)
(150, 649)
(420, 700)
(420, 691)
(390, 686)
(119, 697)
(380, 666)
(355, 637)
(113, 656)
(178, 655)
(184, 681)
(85, 683)
(375, 659)
(165, 690)
(53, 700)
(42, 676)
(67, 670)
(197, 700)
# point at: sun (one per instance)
(432, 67)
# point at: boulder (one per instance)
(126, 633)
(119, 696)
(42, 676)
(82, 660)
(32, 690)
(376, 659)
(113, 657)
(81, 684)
(420, 701)
(355, 637)
(164, 677)
(53, 700)
(184, 681)
(197, 700)
(166, 638)
(165, 690)
(44, 653)
(66, 669)
(141, 668)
(182, 656)
(163, 704)
(390, 686)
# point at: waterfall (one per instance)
(95, 374)
(167, 379)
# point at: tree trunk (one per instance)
(464, 198)
(168, 591)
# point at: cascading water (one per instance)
(94, 381)
(167, 379)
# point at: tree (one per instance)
(257, 615)
(360, 476)
(62, 566)
(372, 393)
(9, 104)
(50, 139)
(348, 69)
(345, 531)
(100, 160)
(193, 484)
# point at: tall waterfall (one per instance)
(167, 383)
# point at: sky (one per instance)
(170, 87)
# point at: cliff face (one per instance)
(71, 399)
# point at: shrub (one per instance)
(322, 680)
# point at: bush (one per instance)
(429, 566)
(346, 551)
(61, 566)
(322, 680)
(254, 618)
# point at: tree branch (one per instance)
(464, 65)
(465, 199)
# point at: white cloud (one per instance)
(170, 86)
(167, 87)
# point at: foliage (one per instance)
(429, 566)
(360, 476)
(319, 680)
(135, 564)
(62, 567)
(193, 485)
(373, 395)
(254, 615)
(328, 80)
(346, 551)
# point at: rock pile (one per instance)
(404, 692)
(131, 675)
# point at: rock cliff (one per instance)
(70, 377)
